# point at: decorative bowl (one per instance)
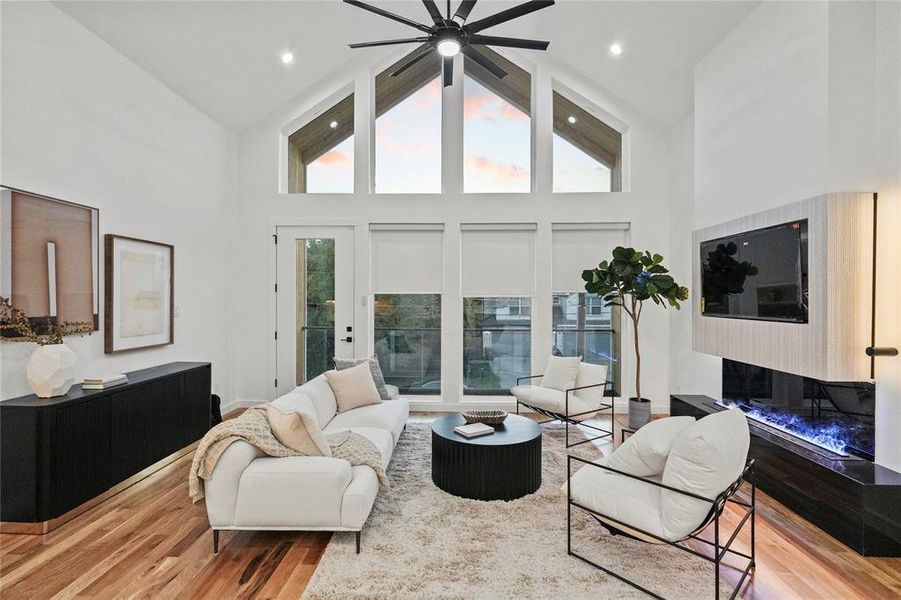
(488, 417)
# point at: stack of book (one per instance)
(474, 430)
(101, 383)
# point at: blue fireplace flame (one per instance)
(829, 435)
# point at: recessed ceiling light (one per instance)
(571, 120)
(287, 58)
(616, 49)
(333, 124)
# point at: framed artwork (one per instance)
(139, 292)
(49, 259)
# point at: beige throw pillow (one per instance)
(353, 387)
(298, 431)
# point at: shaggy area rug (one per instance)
(421, 542)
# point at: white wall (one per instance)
(802, 99)
(82, 123)
(261, 207)
(690, 372)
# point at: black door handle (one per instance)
(347, 339)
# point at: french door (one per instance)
(314, 302)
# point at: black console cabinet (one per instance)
(58, 453)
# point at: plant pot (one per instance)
(639, 412)
(51, 370)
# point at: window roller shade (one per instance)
(580, 246)
(407, 259)
(498, 260)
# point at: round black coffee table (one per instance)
(504, 465)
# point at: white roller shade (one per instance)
(498, 260)
(580, 246)
(407, 259)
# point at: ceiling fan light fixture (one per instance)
(448, 46)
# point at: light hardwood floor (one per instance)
(151, 542)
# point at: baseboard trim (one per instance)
(44, 527)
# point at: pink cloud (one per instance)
(482, 104)
(511, 112)
(333, 157)
(502, 171)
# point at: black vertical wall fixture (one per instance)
(873, 351)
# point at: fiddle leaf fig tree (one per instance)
(628, 279)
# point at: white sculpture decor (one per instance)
(51, 370)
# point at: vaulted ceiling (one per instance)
(224, 57)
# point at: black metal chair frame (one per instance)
(716, 509)
(569, 419)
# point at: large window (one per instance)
(408, 127)
(587, 151)
(497, 283)
(497, 343)
(583, 326)
(497, 135)
(321, 153)
(407, 276)
(408, 341)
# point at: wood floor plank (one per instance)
(150, 541)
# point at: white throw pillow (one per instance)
(353, 387)
(298, 431)
(706, 458)
(591, 375)
(561, 372)
(644, 452)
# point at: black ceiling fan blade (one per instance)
(448, 71)
(433, 11)
(389, 42)
(484, 61)
(464, 9)
(493, 40)
(506, 15)
(388, 15)
(414, 57)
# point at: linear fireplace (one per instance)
(835, 418)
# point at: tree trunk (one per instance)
(635, 317)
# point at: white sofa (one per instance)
(249, 490)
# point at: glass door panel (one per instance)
(314, 302)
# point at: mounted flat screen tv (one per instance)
(760, 274)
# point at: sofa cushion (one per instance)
(628, 500)
(645, 452)
(591, 375)
(705, 459)
(298, 430)
(320, 393)
(381, 438)
(560, 373)
(353, 387)
(390, 416)
(296, 401)
(553, 400)
(374, 367)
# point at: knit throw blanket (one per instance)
(252, 426)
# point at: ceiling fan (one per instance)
(452, 35)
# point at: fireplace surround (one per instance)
(852, 499)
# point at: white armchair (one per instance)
(569, 391)
(668, 482)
